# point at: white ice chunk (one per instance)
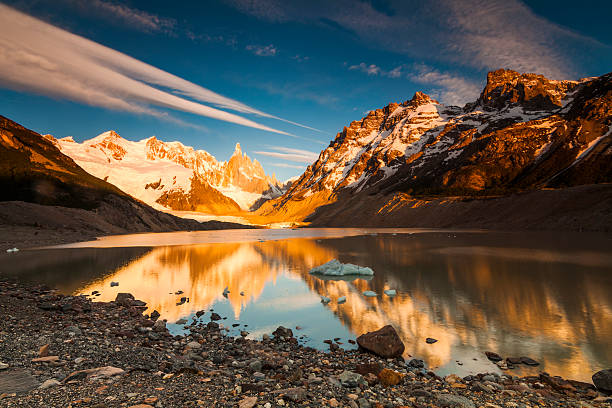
(336, 268)
(341, 300)
(390, 292)
(12, 250)
(369, 293)
(325, 300)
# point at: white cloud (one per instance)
(38, 57)
(120, 13)
(263, 51)
(290, 154)
(288, 166)
(447, 88)
(365, 68)
(482, 34)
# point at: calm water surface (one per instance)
(546, 296)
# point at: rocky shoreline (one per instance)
(67, 351)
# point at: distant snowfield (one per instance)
(150, 167)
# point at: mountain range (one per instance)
(170, 175)
(529, 153)
(45, 197)
(421, 163)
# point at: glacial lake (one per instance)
(547, 296)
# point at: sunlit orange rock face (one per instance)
(523, 133)
(470, 298)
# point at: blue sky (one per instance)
(285, 76)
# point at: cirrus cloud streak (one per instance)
(41, 58)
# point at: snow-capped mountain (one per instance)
(171, 175)
(524, 132)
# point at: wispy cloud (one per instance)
(447, 88)
(288, 166)
(122, 14)
(38, 57)
(262, 50)
(290, 154)
(370, 69)
(481, 34)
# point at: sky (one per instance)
(282, 78)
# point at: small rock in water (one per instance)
(369, 293)
(325, 300)
(390, 292)
(283, 332)
(226, 291)
(430, 340)
(181, 321)
(416, 363)
(494, 357)
(529, 361)
(113, 284)
(215, 316)
(341, 300)
(242, 293)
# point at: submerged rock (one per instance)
(384, 342)
(282, 332)
(493, 356)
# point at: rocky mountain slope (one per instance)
(524, 133)
(44, 192)
(171, 175)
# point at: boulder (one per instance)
(384, 342)
(603, 380)
(282, 332)
(124, 299)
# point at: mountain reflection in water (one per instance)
(518, 295)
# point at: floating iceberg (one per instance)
(325, 300)
(369, 293)
(12, 250)
(390, 292)
(341, 300)
(337, 268)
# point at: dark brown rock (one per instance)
(124, 299)
(384, 342)
(493, 356)
(603, 380)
